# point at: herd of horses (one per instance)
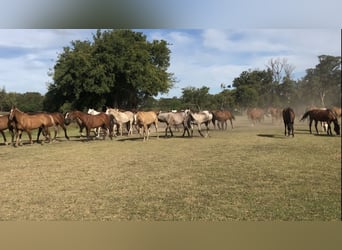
(113, 120)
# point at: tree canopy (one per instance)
(119, 68)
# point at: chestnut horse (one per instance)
(222, 116)
(26, 122)
(288, 117)
(5, 123)
(58, 120)
(93, 121)
(144, 119)
(323, 115)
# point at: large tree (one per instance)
(119, 68)
(324, 81)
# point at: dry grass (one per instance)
(249, 173)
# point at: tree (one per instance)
(119, 68)
(324, 81)
(196, 98)
(254, 88)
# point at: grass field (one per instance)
(250, 173)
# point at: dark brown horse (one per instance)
(26, 122)
(93, 121)
(222, 116)
(288, 117)
(323, 115)
(5, 123)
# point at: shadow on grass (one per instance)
(275, 136)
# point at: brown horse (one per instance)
(93, 121)
(26, 122)
(144, 120)
(5, 123)
(58, 120)
(289, 117)
(323, 115)
(255, 115)
(222, 116)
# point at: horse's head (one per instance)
(336, 127)
(12, 113)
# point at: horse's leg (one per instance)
(18, 135)
(199, 129)
(3, 135)
(156, 125)
(39, 131)
(316, 122)
(231, 122)
(329, 132)
(30, 136)
(65, 132)
(310, 123)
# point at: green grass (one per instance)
(248, 173)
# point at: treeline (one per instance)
(120, 68)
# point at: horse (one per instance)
(5, 123)
(58, 119)
(144, 119)
(121, 118)
(255, 115)
(27, 122)
(222, 116)
(93, 121)
(337, 111)
(289, 117)
(323, 115)
(174, 119)
(276, 113)
(200, 118)
(97, 131)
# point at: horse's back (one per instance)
(146, 117)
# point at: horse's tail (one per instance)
(307, 113)
(233, 117)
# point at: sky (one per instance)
(199, 57)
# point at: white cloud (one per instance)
(198, 57)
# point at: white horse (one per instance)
(126, 117)
(199, 118)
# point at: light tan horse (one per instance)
(276, 114)
(121, 118)
(144, 120)
(337, 111)
(26, 122)
(255, 115)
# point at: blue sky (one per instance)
(199, 57)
